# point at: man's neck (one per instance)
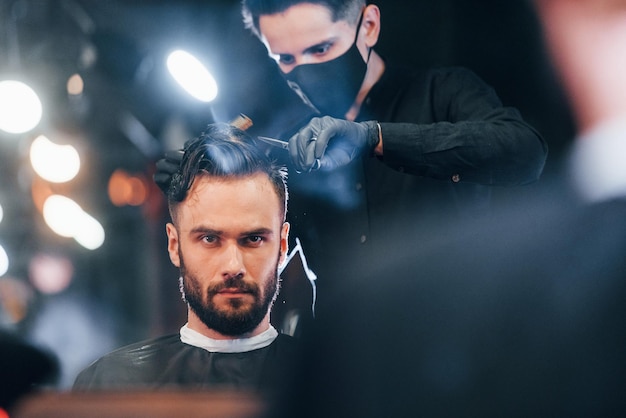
(375, 70)
(196, 324)
(238, 345)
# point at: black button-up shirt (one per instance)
(446, 139)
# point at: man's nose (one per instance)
(232, 261)
(287, 68)
(297, 61)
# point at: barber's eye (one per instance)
(286, 59)
(321, 49)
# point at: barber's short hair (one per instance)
(225, 151)
(252, 10)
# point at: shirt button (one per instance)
(401, 169)
(359, 186)
(368, 101)
(363, 239)
(456, 178)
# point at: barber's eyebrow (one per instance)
(318, 45)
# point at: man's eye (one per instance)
(254, 240)
(209, 239)
(286, 59)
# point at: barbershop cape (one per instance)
(259, 363)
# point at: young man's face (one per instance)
(228, 241)
(306, 34)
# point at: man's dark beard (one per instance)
(232, 323)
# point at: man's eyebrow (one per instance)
(211, 231)
(258, 231)
(205, 230)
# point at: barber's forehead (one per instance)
(304, 24)
(302, 12)
(283, 6)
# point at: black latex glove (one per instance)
(327, 143)
(166, 168)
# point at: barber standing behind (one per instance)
(393, 148)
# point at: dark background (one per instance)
(127, 290)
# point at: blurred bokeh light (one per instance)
(20, 107)
(4, 261)
(125, 189)
(53, 162)
(192, 75)
(49, 273)
(66, 218)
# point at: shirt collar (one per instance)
(238, 345)
(598, 163)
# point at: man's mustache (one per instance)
(234, 282)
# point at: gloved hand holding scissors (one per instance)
(326, 143)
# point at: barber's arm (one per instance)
(502, 151)
(473, 138)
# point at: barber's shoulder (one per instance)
(287, 343)
(419, 78)
(457, 73)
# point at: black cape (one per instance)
(168, 363)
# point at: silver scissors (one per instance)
(274, 142)
(285, 145)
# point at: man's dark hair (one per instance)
(223, 150)
(252, 10)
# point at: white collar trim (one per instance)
(239, 345)
(599, 162)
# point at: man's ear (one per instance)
(173, 244)
(284, 242)
(370, 26)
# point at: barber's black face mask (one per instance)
(330, 87)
